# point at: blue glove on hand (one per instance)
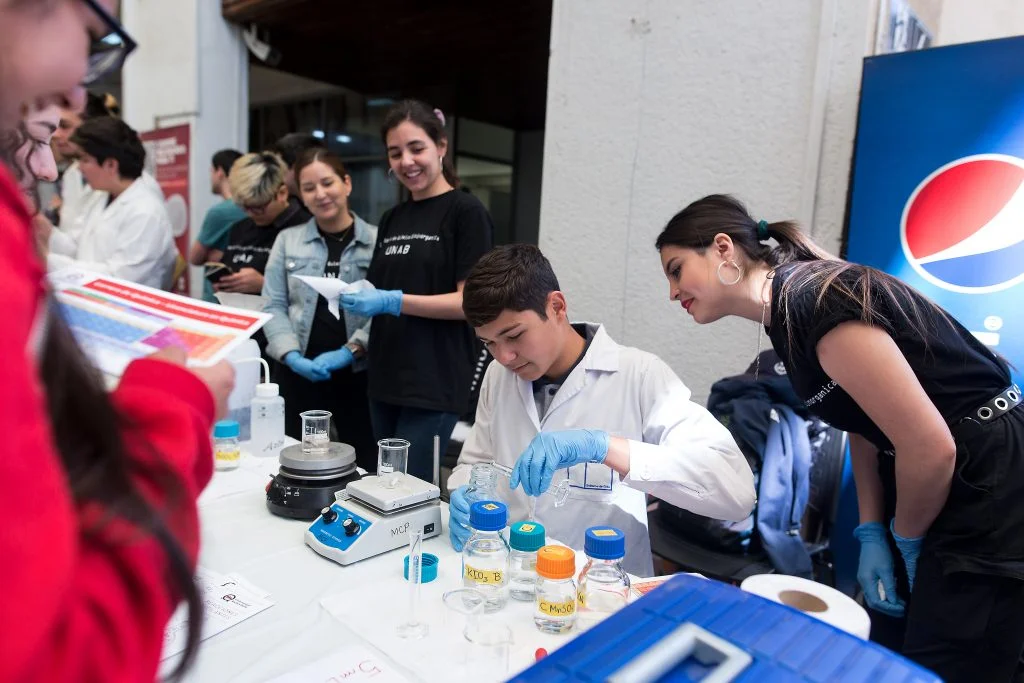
(551, 451)
(458, 518)
(371, 302)
(335, 360)
(304, 367)
(910, 548)
(876, 565)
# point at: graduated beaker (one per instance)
(392, 459)
(316, 431)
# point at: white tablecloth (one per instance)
(240, 535)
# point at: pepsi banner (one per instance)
(937, 189)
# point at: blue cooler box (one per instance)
(691, 629)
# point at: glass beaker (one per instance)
(490, 645)
(316, 431)
(392, 459)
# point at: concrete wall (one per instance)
(191, 67)
(966, 21)
(654, 104)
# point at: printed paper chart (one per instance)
(117, 321)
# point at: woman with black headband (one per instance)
(935, 422)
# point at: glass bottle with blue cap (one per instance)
(603, 583)
(485, 557)
(526, 538)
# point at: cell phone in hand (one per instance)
(214, 270)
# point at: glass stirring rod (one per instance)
(560, 492)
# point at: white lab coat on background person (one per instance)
(678, 451)
(130, 238)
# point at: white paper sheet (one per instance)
(331, 288)
(353, 663)
(228, 600)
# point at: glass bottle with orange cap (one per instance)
(555, 610)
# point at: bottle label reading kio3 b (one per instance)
(557, 609)
(488, 577)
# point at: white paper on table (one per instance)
(228, 600)
(353, 663)
(248, 302)
(331, 288)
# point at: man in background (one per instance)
(289, 147)
(213, 235)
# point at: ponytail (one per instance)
(879, 297)
(695, 228)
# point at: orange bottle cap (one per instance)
(556, 562)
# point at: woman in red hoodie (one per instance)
(100, 532)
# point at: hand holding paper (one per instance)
(332, 288)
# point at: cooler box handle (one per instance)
(685, 641)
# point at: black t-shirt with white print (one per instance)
(327, 332)
(957, 372)
(249, 244)
(426, 247)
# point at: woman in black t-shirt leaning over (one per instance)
(936, 427)
(421, 349)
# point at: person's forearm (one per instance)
(864, 461)
(438, 306)
(923, 476)
(618, 455)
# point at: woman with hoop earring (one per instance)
(935, 422)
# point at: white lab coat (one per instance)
(130, 238)
(77, 197)
(678, 451)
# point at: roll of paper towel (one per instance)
(815, 599)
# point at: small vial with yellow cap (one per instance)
(555, 610)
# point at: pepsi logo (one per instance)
(963, 227)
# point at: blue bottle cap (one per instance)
(428, 567)
(526, 536)
(488, 515)
(225, 429)
(605, 543)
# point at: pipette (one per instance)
(560, 492)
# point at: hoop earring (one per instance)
(440, 160)
(391, 175)
(739, 273)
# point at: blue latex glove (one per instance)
(335, 360)
(551, 451)
(876, 565)
(371, 302)
(304, 367)
(910, 548)
(458, 518)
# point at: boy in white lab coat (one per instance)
(564, 401)
(123, 229)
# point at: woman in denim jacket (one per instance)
(323, 355)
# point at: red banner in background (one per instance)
(167, 158)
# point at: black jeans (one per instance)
(417, 426)
(965, 625)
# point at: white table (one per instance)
(240, 535)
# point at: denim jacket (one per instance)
(302, 251)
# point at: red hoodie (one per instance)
(75, 609)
